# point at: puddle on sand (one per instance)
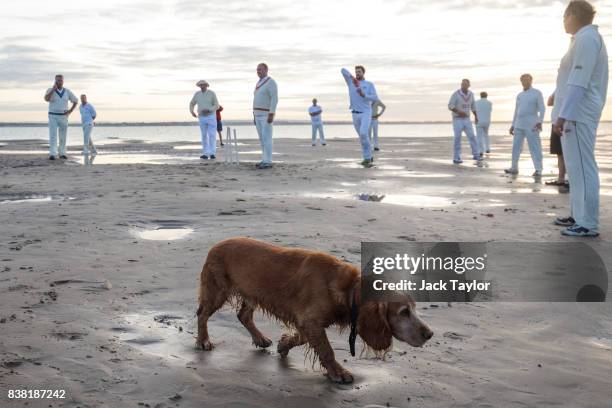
(199, 147)
(136, 158)
(33, 152)
(162, 230)
(257, 152)
(409, 200)
(415, 200)
(417, 174)
(154, 334)
(18, 199)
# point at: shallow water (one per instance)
(21, 199)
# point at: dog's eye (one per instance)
(405, 312)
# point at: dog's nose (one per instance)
(426, 333)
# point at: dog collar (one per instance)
(354, 315)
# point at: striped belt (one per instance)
(55, 113)
(262, 109)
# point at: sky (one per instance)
(138, 61)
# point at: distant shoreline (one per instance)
(228, 123)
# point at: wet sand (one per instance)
(100, 264)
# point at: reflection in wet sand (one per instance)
(20, 199)
(162, 233)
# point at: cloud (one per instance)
(26, 65)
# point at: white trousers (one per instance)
(374, 132)
(535, 147)
(88, 145)
(57, 124)
(578, 142)
(361, 121)
(464, 125)
(264, 132)
(482, 136)
(208, 130)
(317, 127)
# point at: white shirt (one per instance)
(529, 109)
(462, 102)
(265, 95)
(360, 103)
(88, 113)
(317, 118)
(586, 65)
(59, 99)
(205, 100)
(483, 109)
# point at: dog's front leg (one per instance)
(318, 341)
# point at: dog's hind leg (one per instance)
(245, 315)
(213, 294)
(289, 341)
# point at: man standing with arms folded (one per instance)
(315, 112)
(461, 103)
(265, 100)
(373, 132)
(527, 123)
(207, 117)
(483, 109)
(582, 85)
(58, 98)
(361, 94)
(88, 115)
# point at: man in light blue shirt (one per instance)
(88, 115)
(483, 109)
(582, 86)
(362, 94)
(527, 123)
(461, 103)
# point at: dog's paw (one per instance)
(282, 350)
(205, 345)
(341, 376)
(283, 347)
(262, 342)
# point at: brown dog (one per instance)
(307, 290)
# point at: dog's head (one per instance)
(378, 322)
(406, 325)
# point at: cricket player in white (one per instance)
(461, 103)
(483, 108)
(58, 98)
(362, 94)
(88, 115)
(373, 132)
(265, 99)
(582, 85)
(527, 123)
(207, 117)
(315, 112)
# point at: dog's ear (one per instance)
(373, 325)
